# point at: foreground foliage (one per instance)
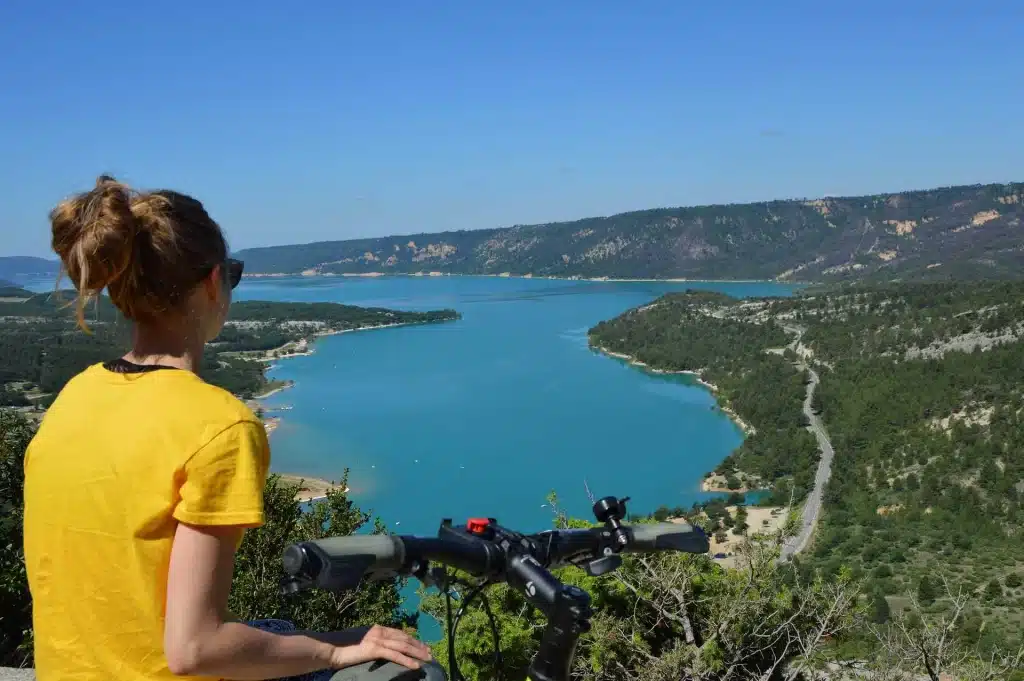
(668, 617)
(15, 605)
(674, 616)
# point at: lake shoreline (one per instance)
(507, 275)
(273, 391)
(711, 387)
(305, 345)
(708, 483)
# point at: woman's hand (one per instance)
(381, 643)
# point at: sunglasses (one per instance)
(234, 269)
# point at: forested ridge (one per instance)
(950, 232)
(41, 348)
(922, 392)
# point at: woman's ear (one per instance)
(213, 283)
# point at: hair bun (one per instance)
(149, 250)
(94, 235)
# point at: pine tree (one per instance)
(927, 590)
(741, 520)
(880, 610)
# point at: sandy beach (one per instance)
(760, 520)
(310, 489)
(271, 424)
(304, 347)
(719, 483)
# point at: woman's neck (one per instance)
(166, 348)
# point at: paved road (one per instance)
(812, 508)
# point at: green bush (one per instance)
(15, 603)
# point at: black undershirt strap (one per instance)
(123, 366)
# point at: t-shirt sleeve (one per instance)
(223, 482)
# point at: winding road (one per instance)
(812, 507)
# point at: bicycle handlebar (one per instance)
(339, 563)
(492, 553)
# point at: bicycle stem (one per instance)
(570, 618)
(566, 608)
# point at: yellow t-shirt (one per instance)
(118, 461)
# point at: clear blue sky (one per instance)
(327, 120)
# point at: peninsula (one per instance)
(41, 348)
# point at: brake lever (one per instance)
(603, 565)
(436, 576)
(293, 585)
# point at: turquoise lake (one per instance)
(486, 415)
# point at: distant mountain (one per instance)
(953, 232)
(17, 266)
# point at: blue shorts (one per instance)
(282, 627)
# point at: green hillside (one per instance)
(922, 393)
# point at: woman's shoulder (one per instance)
(166, 391)
(172, 411)
(194, 411)
(218, 403)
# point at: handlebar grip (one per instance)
(683, 537)
(338, 563)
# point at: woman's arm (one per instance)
(200, 641)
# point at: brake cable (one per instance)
(453, 627)
(498, 662)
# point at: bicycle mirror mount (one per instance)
(610, 511)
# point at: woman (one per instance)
(142, 478)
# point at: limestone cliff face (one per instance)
(970, 231)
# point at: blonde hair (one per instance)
(148, 249)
